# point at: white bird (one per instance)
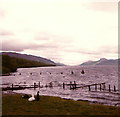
(31, 98)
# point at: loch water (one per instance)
(58, 75)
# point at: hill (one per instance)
(29, 57)
(102, 61)
(10, 62)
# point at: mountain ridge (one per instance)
(102, 61)
(29, 57)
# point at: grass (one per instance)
(13, 104)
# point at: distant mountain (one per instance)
(29, 57)
(60, 64)
(102, 61)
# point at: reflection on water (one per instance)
(58, 75)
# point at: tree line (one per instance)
(10, 64)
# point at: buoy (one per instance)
(82, 72)
(31, 98)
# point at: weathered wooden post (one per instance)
(70, 85)
(34, 85)
(95, 87)
(89, 87)
(74, 85)
(63, 85)
(109, 88)
(103, 86)
(114, 88)
(72, 72)
(46, 85)
(39, 84)
(100, 87)
(12, 86)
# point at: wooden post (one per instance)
(109, 88)
(89, 88)
(34, 85)
(72, 72)
(70, 85)
(103, 86)
(74, 85)
(39, 85)
(46, 85)
(63, 85)
(12, 86)
(114, 88)
(95, 87)
(100, 87)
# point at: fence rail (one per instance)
(72, 86)
(97, 86)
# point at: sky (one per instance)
(65, 31)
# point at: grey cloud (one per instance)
(17, 45)
(12, 45)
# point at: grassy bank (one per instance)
(13, 104)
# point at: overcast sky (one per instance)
(66, 31)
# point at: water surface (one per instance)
(58, 75)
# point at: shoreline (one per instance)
(14, 104)
(10, 92)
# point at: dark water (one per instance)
(58, 75)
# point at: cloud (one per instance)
(6, 33)
(109, 49)
(13, 44)
(103, 6)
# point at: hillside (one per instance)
(29, 57)
(10, 64)
(102, 61)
